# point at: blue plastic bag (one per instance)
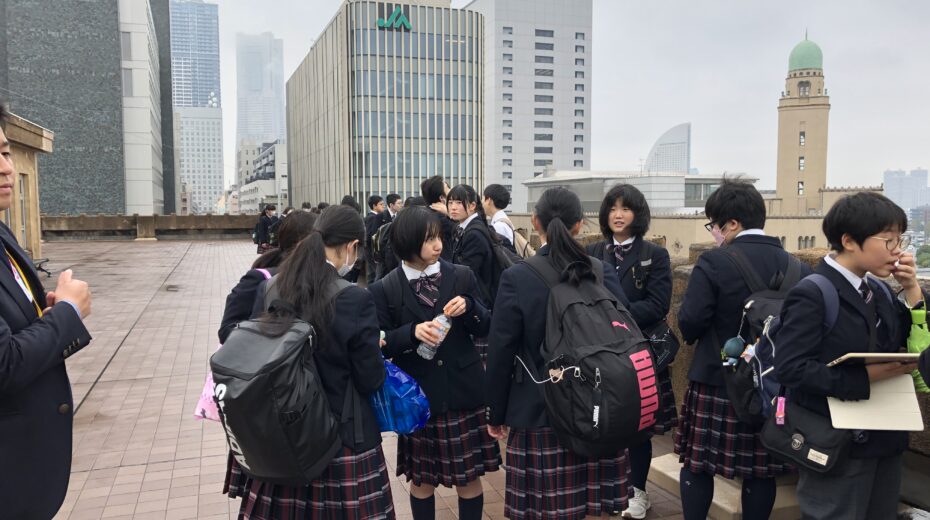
(400, 405)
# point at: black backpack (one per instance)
(273, 232)
(502, 258)
(278, 422)
(602, 396)
(255, 232)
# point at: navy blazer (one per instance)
(350, 350)
(804, 349)
(240, 301)
(36, 407)
(448, 231)
(648, 304)
(714, 299)
(473, 250)
(264, 228)
(454, 378)
(518, 327)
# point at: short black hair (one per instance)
(374, 200)
(415, 201)
(860, 216)
(392, 198)
(271, 207)
(306, 205)
(411, 228)
(350, 201)
(498, 195)
(433, 189)
(631, 198)
(736, 200)
(323, 205)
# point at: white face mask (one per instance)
(345, 268)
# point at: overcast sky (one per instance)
(720, 64)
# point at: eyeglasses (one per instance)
(710, 226)
(900, 241)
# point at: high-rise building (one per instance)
(537, 89)
(259, 88)
(671, 153)
(103, 91)
(803, 117)
(908, 190)
(389, 95)
(195, 59)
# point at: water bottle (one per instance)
(427, 352)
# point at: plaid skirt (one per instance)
(353, 487)
(667, 416)
(453, 449)
(547, 482)
(712, 440)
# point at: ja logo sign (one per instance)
(395, 21)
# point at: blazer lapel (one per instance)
(630, 259)
(9, 282)
(448, 284)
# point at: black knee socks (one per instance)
(697, 493)
(640, 460)
(471, 508)
(758, 497)
(423, 508)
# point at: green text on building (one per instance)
(396, 20)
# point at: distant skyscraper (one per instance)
(195, 55)
(671, 153)
(259, 88)
(537, 90)
(908, 190)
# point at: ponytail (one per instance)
(557, 211)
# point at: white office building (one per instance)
(199, 138)
(537, 90)
(671, 152)
(259, 88)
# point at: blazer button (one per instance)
(439, 362)
(64, 408)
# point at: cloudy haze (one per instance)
(720, 64)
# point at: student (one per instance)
(394, 205)
(710, 439)
(372, 222)
(241, 299)
(454, 449)
(266, 225)
(865, 233)
(434, 192)
(624, 219)
(471, 242)
(415, 201)
(495, 201)
(544, 480)
(356, 484)
(306, 206)
(350, 201)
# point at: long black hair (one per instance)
(292, 230)
(467, 195)
(557, 211)
(305, 276)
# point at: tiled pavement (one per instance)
(138, 452)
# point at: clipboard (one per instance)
(892, 405)
(876, 357)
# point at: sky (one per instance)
(719, 64)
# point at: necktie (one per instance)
(620, 251)
(866, 291)
(427, 289)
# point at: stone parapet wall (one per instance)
(147, 227)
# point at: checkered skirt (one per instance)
(547, 482)
(453, 449)
(355, 486)
(667, 417)
(711, 439)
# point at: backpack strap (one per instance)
(883, 288)
(462, 278)
(747, 273)
(393, 293)
(792, 275)
(266, 273)
(831, 299)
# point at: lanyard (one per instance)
(23, 283)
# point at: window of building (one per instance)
(125, 40)
(579, 74)
(543, 72)
(579, 62)
(579, 164)
(579, 87)
(508, 44)
(542, 149)
(542, 137)
(543, 85)
(507, 123)
(804, 88)
(508, 57)
(508, 110)
(579, 113)
(579, 36)
(508, 30)
(545, 33)
(579, 126)
(801, 163)
(579, 151)
(127, 83)
(508, 71)
(579, 101)
(800, 187)
(542, 124)
(508, 137)
(579, 138)
(507, 149)
(579, 48)
(508, 162)
(543, 99)
(802, 137)
(542, 111)
(542, 162)
(508, 96)
(508, 83)
(545, 46)
(545, 59)
(507, 175)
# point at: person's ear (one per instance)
(577, 228)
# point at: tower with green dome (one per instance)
(803, 117)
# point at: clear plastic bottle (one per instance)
(445, 323)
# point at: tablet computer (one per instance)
(876, 357)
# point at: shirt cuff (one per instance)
(75, 307)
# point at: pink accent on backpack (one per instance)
(206, 405)
(648, 393)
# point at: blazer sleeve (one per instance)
(658, 299)
(504, 341)
(398, 338)
(797, 360)
(239, 303)
(699, 302)
(365, 360)
(612, 283)
(29, 352)
(477, 319)
(475, 251)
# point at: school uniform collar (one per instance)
(500, 215)
(850, 276)
(625, 242)
(464, 224)
(749, 232)
(391, 213)
(413, 274)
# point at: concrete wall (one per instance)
(29, 142)
(147, 227)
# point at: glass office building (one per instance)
(389, 95)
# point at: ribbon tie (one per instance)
(426, 288)
(620, 251)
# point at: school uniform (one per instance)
(454, 448)
(650, 301)
(241, 300)
(265, 223)
(356, 484)
(471, 247)
(710, 438)
(866, 485)
(501, 225)
(544, 480)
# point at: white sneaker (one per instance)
(638, 505)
